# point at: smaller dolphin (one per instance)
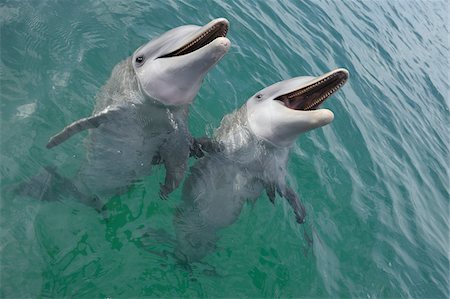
(141, 114)
(253, 144)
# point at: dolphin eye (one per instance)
(259, 96)
(139, 59)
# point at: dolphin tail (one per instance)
(41, 186)
(49, 185)
(158, 242)
(161, 243)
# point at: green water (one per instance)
(375, 181)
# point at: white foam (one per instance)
(26, 110)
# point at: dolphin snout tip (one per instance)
(222, 20)
(343, 71)
(326, 116)
(222, 43)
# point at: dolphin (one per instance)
(250, 156)
(141, 112)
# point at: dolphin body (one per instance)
(253, 143)
(141, 113)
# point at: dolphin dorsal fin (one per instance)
(80, 125)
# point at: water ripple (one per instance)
(375, 181)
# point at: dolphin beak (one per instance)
(215, 29)
(315, 92)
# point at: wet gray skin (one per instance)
(141, 113)
(252, 147)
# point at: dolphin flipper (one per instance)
(174, 154)
(198, 148)
(174, 176)
(294, 201)
(270, 191)
(203, 145)
(80, 125)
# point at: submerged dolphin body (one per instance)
(141, 113)
(254, 144)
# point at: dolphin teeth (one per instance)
(204, 34)
(311, 86)
(329, 93)
(304, 98)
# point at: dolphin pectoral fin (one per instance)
(295, 202)
(203, 145)
(81, 125)
(73, 128)
(270, 191)
(176, 165)
(174, 154)
(165, 190)
(174, 176)
(157, 159)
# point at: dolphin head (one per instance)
(282, 111)
(171, 67)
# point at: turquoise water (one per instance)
(375, 181)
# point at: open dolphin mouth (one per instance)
(216, 30)
(312, 95)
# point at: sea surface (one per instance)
(375, 182)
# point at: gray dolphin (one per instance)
(141, 113)
(254, 144)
